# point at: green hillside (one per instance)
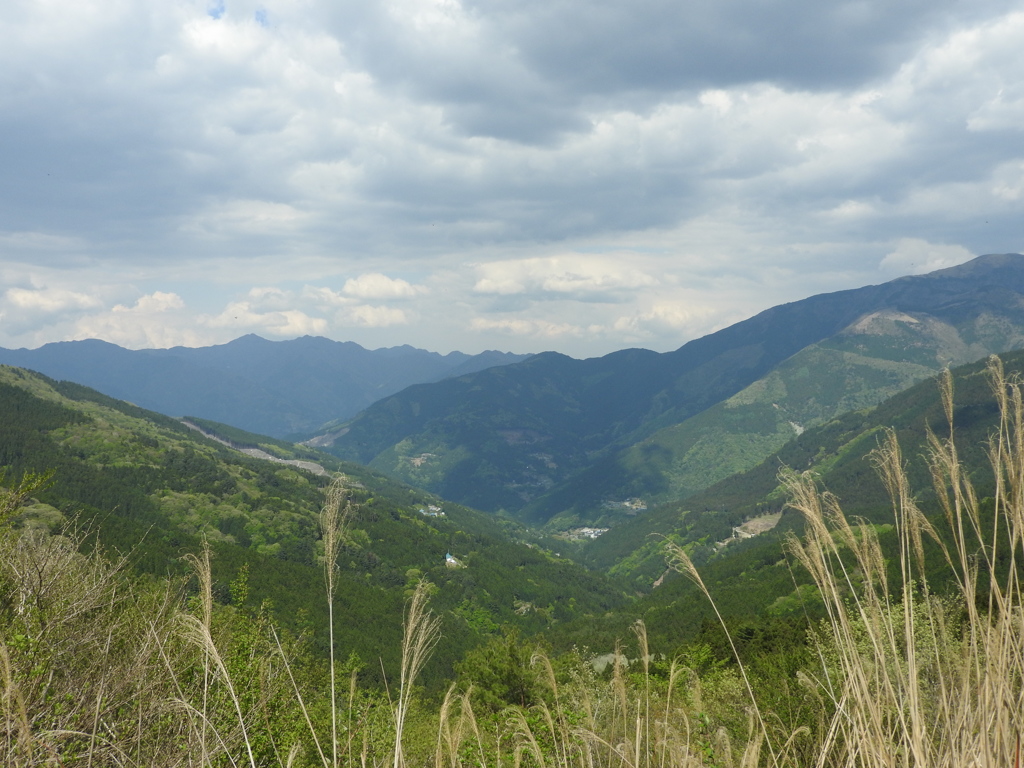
(764, 596)
(838, 452)
(853, 630)
(880, 355)
(147, 485)
(854, 645)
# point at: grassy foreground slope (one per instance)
(147, 485)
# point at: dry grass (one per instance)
(918, 680)
(422, 631)
(334, 516)
(81, 676)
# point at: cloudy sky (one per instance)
(470, 174)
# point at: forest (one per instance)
(152, 623)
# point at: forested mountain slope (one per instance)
(762, 592)
(147, 485)
(839, 453)
(876, 357)
(513, 438)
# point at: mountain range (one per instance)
(563, 442)
(150, 486)
(708, 482)
(275, 388)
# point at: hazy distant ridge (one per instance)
(270, 387)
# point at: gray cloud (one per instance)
(665, 46)
(552, 59)
(738, 153)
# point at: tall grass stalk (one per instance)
(915, 679)
(201, 568)
(454, 730)
(911, 678)
(198, 631)
(300, 700)
(16, 719)
(421, 632)
(74, 649)
(336, 512)
(680, 561)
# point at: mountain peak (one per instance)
(979, 266)
(250, 339)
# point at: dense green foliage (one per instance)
(145, 659)
(753, 581)
(862, 366)
(100, 667)
(146, 485)
(838, 451)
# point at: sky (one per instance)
(521, 175)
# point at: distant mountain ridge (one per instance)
(276, 388)
(515, 438)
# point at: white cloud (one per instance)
(915, 257)
(323, 311)
(1004, 112)
(41, 312)
(575, 274)
(154, 320)
(538, 329)
(285, 323)
(263, 307)
(244, 217)
(373, 317)
(268, 299)
(153, 303)
(719, 147)
(324, 297)
(664, 317)
(49, 300)
(220, 39)
(1008, 182)
(377, 286)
